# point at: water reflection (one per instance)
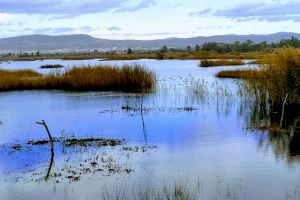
(281, 136)
(295, 141)
(50, 162)
(199, 124)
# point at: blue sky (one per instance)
(148, 19)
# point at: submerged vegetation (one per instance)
(86, 78)
(221, 62)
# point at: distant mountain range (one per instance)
(46, 43)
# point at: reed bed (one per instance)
(24, 73)
(279, 76)
(138, 55)
(221, 62)
(242, 74)
(127, 78)
(284, 69)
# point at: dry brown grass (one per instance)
(279, 76)
(244, 74)
(183, 56)
(90, 78)
(134, 56)
(221, 62)
(25, 73)
(284, 69)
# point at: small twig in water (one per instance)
(43, 123)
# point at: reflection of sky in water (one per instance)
(209, 143)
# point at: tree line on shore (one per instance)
(247, 46)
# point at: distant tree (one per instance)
(292, 42)
(37, 53)
(189, 48)
(197, 47)
(237, 46)
(164, 49)
(211, 46)
(129, 51)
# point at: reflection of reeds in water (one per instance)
(86, 78)
(293, 194)
(285, 144)
(273, 91)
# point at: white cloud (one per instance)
(272, 12)
(59, 7)
(6, 18)
(141, 5)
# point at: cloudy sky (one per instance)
(148, 19)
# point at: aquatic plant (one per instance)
(178, 54)
(279, 75)
(182, 190)
(284, 70)
(127, 78)
(244, 74)
(274, 89)
(221, 62)
(178, 192)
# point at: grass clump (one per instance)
(221, 62)
(89, 78)
(24, 73)
(243, 74)
(51, 66)
(284, 70)
(279, 76)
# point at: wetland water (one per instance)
(193, 129)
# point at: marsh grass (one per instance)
(85, 78)
(142, 55)
(183, 190)
(183, 55)
(24, 73)
(279, 76)
(273, 91)
(221, 62)
(284, 68)
(178, 192)
(243, 74)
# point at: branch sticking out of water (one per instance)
(43, 123)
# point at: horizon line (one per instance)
(231, 34)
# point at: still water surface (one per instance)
(198, 137)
